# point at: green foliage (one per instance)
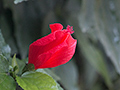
(49, 72)
(15, 65)
(7, 82)
(4, 48)
(36, 81)
(3, 64)
(21, 65)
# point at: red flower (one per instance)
(54, 49)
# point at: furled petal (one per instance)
(43, 58)
(60, 57)
(54, 49)
(63, 55)
(56, 26)
(36, 48)
(40, 50)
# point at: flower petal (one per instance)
(40, 50)
(43, 58)
(36, 48)
(60, 57)
(63, 55)
(54, 49)
(56, 26)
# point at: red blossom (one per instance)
(54, 49)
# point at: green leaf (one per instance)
(7, 82)
(14, 64)
(49, 72)
(4, 48)
(36, 81)
(3, 64)
(21, 65)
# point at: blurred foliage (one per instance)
(4, 48)
(96, 63)
(3, 64)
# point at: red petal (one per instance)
(52, 50)
(40, 50)
(60, 57)
(56, 26)
(63, 55)
(43, 58)
(36, 48)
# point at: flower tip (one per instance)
(55, 26)
(70, 29)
